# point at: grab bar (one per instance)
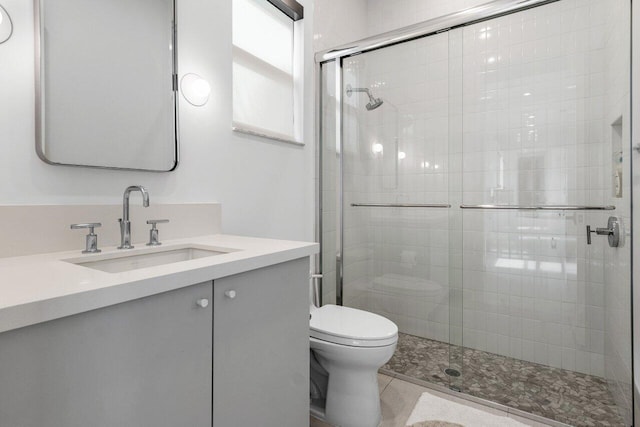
(542, 207)
(401, 205)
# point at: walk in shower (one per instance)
(462, 164)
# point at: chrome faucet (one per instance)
(125, 224)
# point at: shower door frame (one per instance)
(434, 26)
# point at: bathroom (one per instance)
(242, 184)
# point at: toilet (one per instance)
(348, 346)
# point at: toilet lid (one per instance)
(344, 325)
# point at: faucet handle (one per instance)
(153, 233)
(153, 222)
(90, 225)
(91, 244)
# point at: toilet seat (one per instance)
(352, 327)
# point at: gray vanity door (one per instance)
(261, 353)
(143, 363)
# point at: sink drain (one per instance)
(452, 372)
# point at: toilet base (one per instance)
(353, 399)
(346, 379)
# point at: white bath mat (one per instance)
(432, 411)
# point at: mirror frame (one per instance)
(39, 96)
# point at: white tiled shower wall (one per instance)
(533, 132)
(334, 26)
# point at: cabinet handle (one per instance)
(230, 294)
(202, 303)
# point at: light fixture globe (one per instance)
(195, 89)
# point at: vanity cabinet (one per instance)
(152, 362)
(261, 351)
(145, 362)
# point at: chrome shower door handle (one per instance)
(612, 232)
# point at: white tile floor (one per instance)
(398, 398)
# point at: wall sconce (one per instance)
(6, 26)
(195, 89)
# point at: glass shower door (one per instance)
(395, 181)
(545, 133)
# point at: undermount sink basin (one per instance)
(121, 262)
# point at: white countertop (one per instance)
(38, 288)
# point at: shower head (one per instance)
(373, 101)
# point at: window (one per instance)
(265, 65)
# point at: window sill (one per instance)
(263, 133)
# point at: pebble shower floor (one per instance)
(558, 394)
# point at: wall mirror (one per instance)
(106, 85)
(6, 26)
